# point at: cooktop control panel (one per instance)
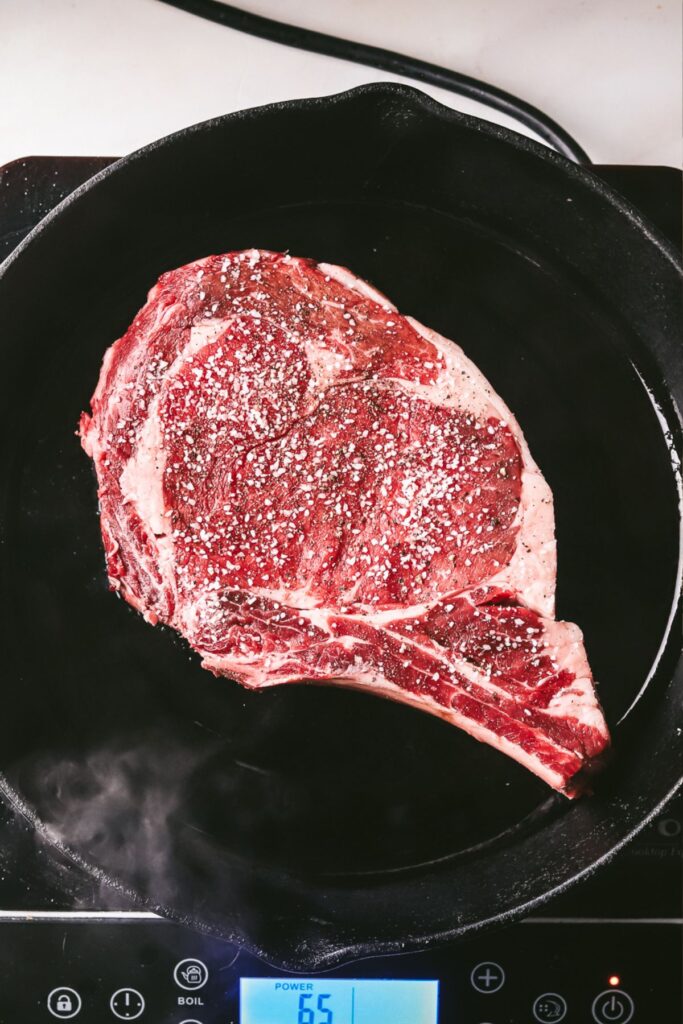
(110, 970)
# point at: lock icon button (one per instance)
(64, 1003)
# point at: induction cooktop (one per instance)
(609, 950)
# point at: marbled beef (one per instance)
(308, 485)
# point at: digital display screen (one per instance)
(337, 1001)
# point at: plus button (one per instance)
(487, 977)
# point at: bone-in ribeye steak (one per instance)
(309, 486)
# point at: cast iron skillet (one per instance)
(317, 825)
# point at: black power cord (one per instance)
(387, 60)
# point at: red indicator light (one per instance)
(614, 980)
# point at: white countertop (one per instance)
(84, 77)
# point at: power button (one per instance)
(612, 1007)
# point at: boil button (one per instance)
(191, 974)
(613, 1007)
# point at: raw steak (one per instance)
(309, 486)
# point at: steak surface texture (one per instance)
(308, 485)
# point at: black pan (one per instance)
(318, 825)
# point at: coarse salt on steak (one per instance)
(308, 485)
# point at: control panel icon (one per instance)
(191, 974)
(487, 977)
(550, 1008)
(64, 1003)
(127, 1004)
(612, 1007)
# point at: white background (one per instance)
(107, 76)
